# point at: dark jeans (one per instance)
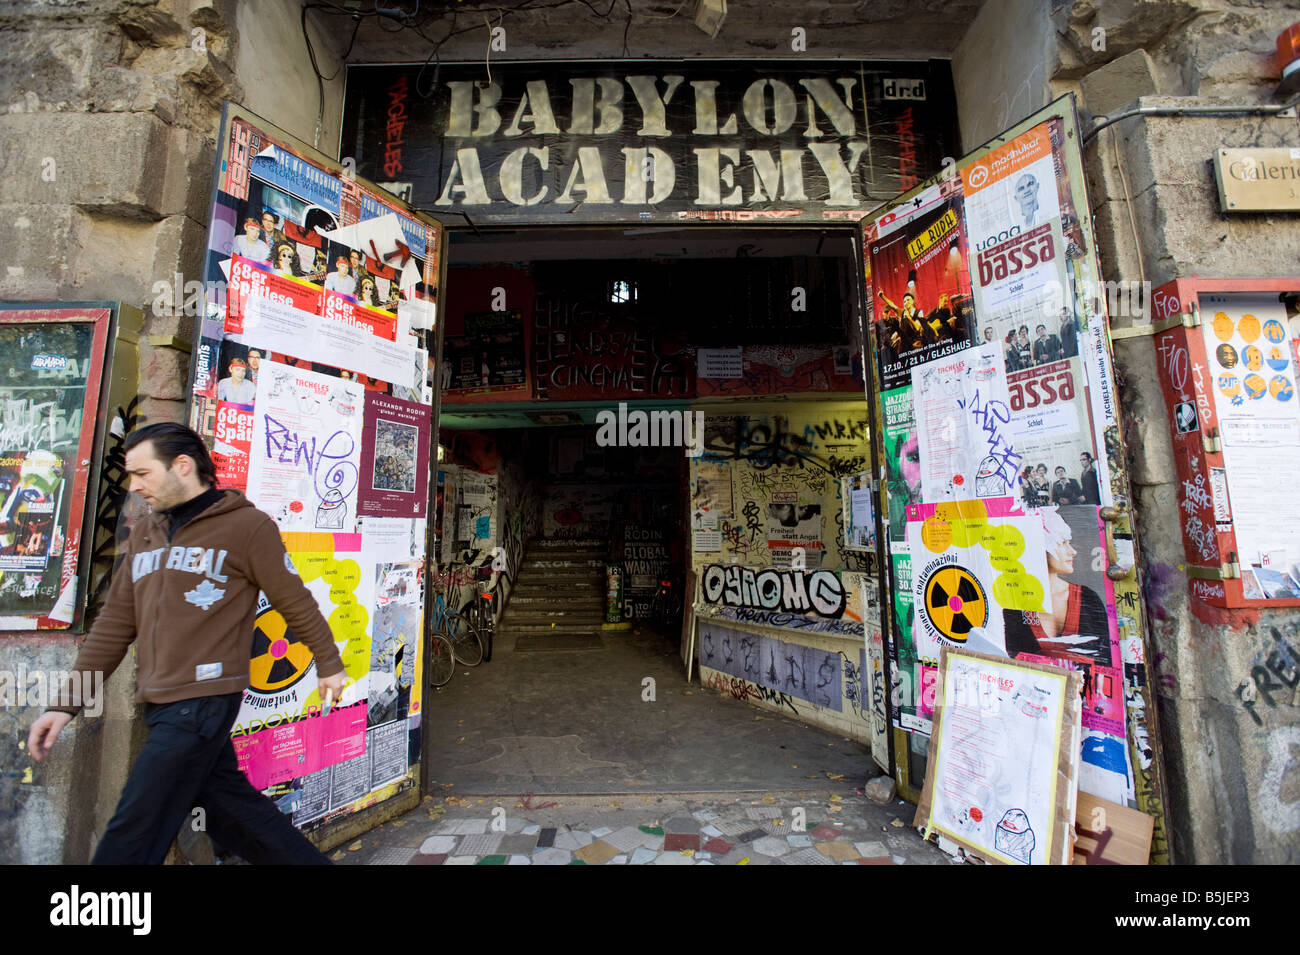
(189, 761)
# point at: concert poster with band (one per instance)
(923, 303)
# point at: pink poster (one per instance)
(280, 753)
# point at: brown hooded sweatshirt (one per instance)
(190, 602)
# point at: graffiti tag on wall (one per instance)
(791, 591)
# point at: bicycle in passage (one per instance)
(481, 611)
(666, 605)
(463, 643)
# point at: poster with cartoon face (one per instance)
(305, 456)
(1004, 751)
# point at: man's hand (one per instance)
(45, 731)
(331, 687)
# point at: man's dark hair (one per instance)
(169, 440)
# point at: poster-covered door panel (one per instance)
(311, 383)
(1002, 447)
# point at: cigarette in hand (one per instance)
(329, 701)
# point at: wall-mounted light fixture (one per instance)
(1288, 59)
(709, 15)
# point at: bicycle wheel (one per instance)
(442, 660)
(465, 640)
(486, 626)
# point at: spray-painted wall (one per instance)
(772, 483)
(784, 609)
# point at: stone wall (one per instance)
(1234, 777)
(1001, 68)
(109, 112)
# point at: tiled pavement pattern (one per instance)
(699, 829)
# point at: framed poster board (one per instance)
(311, 382)
(999, 406)
(1228, 358)
(53, 360)
(1002, 776)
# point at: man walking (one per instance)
(187, 591)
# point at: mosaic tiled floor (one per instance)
(806, 828)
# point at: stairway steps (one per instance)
(551, 545)
(585, 625)
(558, 591)
(541, 573)
(557, 585)
(559, 620)
(524, 601)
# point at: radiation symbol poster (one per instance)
(281, 732)
(970, 561)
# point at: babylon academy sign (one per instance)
(656, 141)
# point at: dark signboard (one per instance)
(491, 356)
(658, 141)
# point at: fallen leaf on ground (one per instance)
(897, 824)
(355, 846)
(339, 855)
(837, 798)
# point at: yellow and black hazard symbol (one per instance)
(279, 658)
(955, 602)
